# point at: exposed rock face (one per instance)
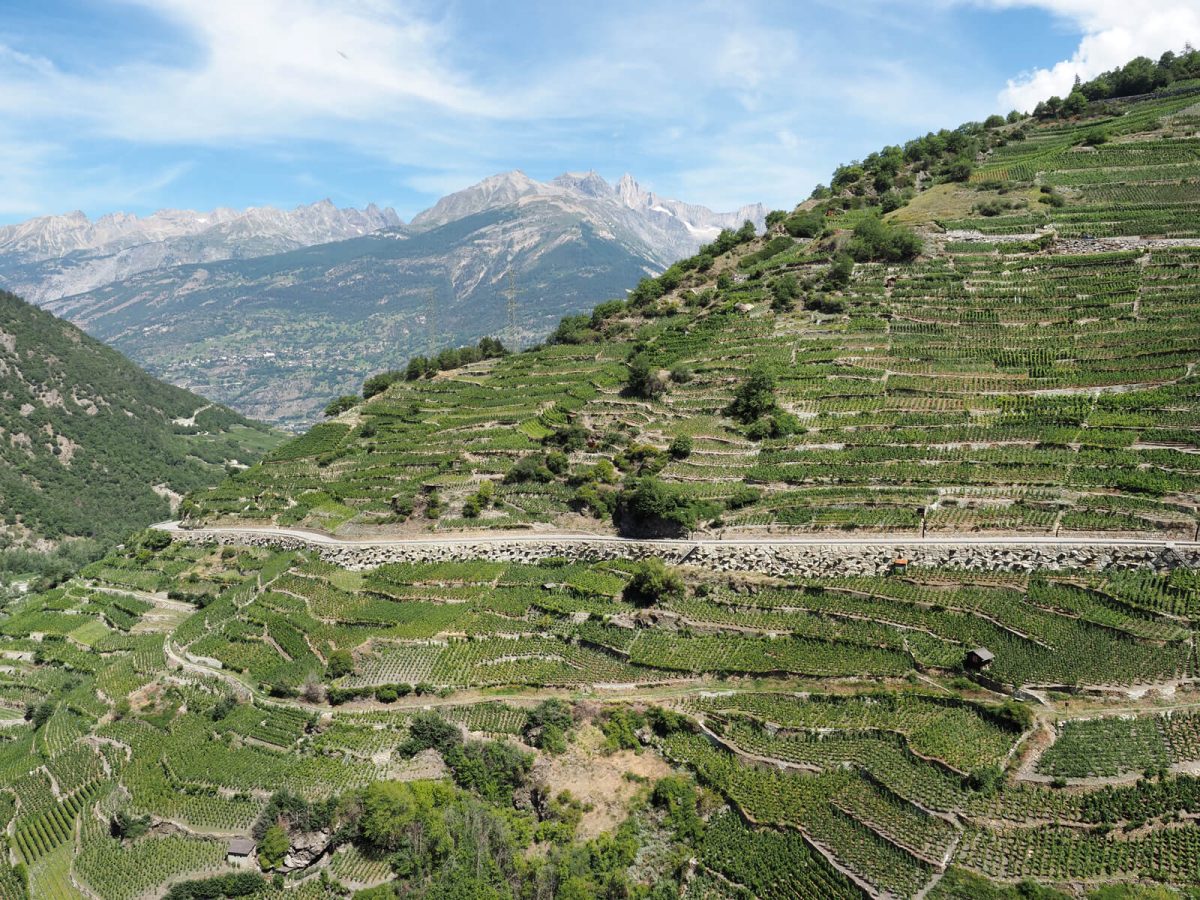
(665, 229)
(50, 257)
(305, 849)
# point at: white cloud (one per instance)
(262, 68)
(1114, 32)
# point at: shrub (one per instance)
(341, 662)
(341, 404)
(653, 582)
(755, 397)
(875, 239)
(680, 447)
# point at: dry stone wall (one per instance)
(778, 559)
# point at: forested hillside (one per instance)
(93, 447)
(992, 329)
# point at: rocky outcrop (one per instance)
(779, 559)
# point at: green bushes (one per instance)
(875, 239)
(648, 506)
(652, 583)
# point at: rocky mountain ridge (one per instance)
(50, 257)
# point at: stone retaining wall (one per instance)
(779, 559)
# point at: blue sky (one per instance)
(135, 105)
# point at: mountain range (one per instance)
(50, 257)
(275, 313)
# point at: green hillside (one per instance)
(962, 334)
(1030, 370)
(87, 436)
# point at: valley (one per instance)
(850, 554)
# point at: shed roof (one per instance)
(983, 653)
(240, 846)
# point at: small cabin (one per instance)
(240, 851)
(980, 658)
(899, 565)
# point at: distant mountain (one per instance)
(277, 336)
(92, 446)
(50, 257)
(664, 229)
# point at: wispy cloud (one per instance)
(1114, 31)
(713, 103)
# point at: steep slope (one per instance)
(90, 445)
(1033, 370)
(278, 336)
(47, 258)
(267, 716)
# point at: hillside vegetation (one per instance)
(91, 446)
(987, 330)
(965, 333)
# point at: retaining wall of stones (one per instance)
(780, 559)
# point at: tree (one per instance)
(784, 291)
(341, 662)
(548, 724)
(340, 405)
(377, 384)
(755, 398)
(653, 582)
(428, 730)
(680, 447)
(648, 506)
(643, 379)
(273, 847)
(840, 272)
(875, 239)
(407, 819)
(1075, 104)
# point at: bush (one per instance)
(653, 582)
(340, 405)
(648, 506)
(341, 662)
(754, 398)
(875, 239)
(680, 447)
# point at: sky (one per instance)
(136, 105)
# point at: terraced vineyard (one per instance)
(833, 719)
(1044, 385)
(196, 719)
